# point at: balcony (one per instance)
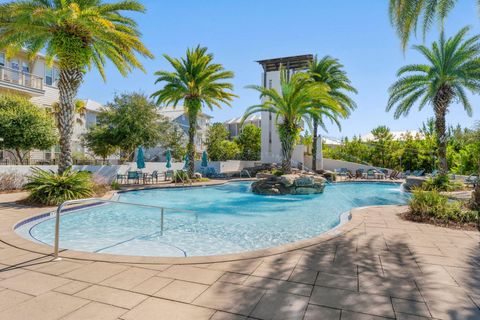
(17, 80)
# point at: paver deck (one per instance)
(379, 267)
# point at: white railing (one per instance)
(96, 200)
(20, 78)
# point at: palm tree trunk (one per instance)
(441, 103)
(192, 108)
(314, 144)
(287, 139)
(68, 84)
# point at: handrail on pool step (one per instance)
(69, 202)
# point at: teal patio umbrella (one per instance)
(169, 159)
(140, 158)
(204, 159)
(187, 161)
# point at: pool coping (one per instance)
(355, 219)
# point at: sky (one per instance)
(241, 32)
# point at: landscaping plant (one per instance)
(51, 188)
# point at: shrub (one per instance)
(441, 183)
(11, 181)
(432, 206)
(50, 188)
(180, 176)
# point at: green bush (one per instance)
(50, 188)
(180, 176)
(431, 205)
(441, 183)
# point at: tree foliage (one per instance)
(24, 126)
(250, 142)
(128, 122)
(299, 99)
(452, 69)
(217, 135)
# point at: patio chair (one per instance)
(133, 175)
(151, 177)
(121, 177)
(407, 173)
(169, 175)
(350, 176)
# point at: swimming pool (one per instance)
(223, 219)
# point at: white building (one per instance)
(37, 81)
(271, 146)
(234, 125)
(82, 123)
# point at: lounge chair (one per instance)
(418, 173)
(359, 173)
(471, 180)
(371, 173)
(393, 175)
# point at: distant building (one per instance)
(82, 123)
(271, 147)
(234, 125)
(179, 118)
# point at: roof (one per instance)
(173, 113)
(92, 105)
(292, 62)
(250, 118)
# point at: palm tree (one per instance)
(299, 99)
(196, 81)
(405, 15)
(453, 67)
(330, 72)
(79, 34)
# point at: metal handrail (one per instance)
(69, 202)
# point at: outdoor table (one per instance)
(379, 175)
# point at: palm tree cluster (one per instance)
(452, 69)
(314, 95)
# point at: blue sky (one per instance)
(243, 31)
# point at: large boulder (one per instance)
(289, 184)
(412, 182)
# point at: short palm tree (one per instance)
(196, 82)
(453, 67)
(406, 15)
(299, 99)
(329, 71)
(79, 34)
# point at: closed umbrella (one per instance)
(169, 159)
(140, 159)
(204, 159)
(187, 161)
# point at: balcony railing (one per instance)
(20, 78)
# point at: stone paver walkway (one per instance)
(384, 268)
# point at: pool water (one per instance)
(223, 219)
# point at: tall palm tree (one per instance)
(299, 99)
(453, 67)
(196, 81)
(79, 34)
(329, 71)
(406, 15)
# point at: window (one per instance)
(56, 76)
(25, 67)
(2, 59)
(48, 76)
